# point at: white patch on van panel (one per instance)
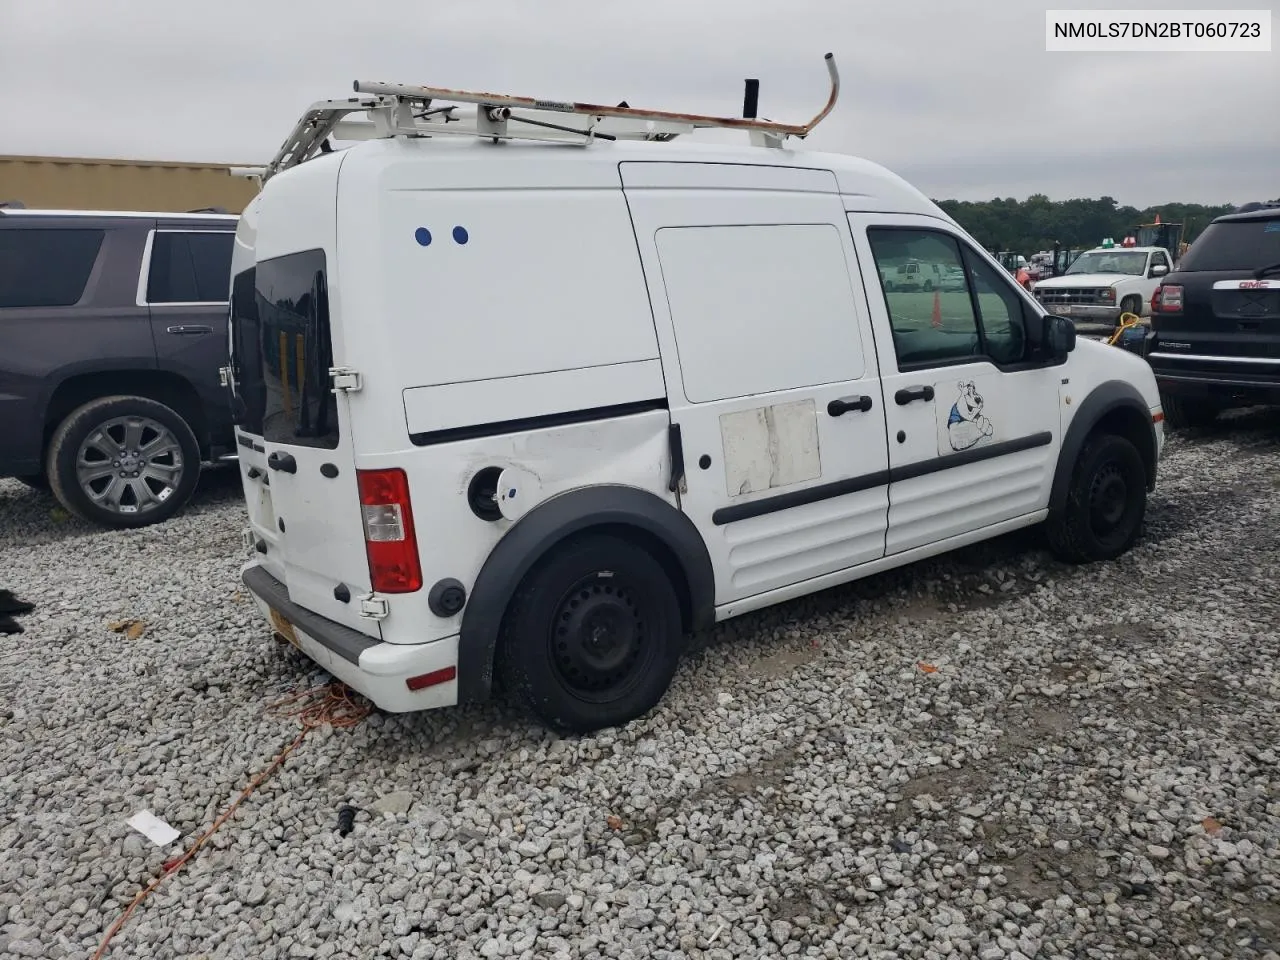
(767, 447)
(969, 414)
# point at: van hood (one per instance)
(1085, 280)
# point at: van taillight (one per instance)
(389, 539)
(1167, 299)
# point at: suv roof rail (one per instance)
(397, 109)
(12, 205)
(1257, 205)
(211, 210)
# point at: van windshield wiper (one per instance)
(1263, 271)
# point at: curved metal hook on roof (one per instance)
(379, 88)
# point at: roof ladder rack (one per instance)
(397, 109)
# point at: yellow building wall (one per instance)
(82, 183)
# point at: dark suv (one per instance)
(113, 327)
(1215, 321)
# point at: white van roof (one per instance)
(463, 164)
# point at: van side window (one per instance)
(297, 351)
(46, 268)
(189, 267)
(959, 309)
(922, 275)
(793, 323)
(1004, 336)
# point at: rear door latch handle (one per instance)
(189, 330)
(843, 405)
(907, 394)
(282, 461)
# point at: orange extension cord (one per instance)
(330, 705)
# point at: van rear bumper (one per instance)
(375, 669)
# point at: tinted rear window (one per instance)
(46, 268)
(190, 267)
(297, 351)
(1239, 245)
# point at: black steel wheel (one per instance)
(593, 636)
(1106, 502)
(597, 639)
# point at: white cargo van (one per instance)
(530, 393)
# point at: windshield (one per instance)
(1130, 262)
(1235, 245)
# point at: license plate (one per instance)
(1065, 309)
(284, 627)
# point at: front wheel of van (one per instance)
(593, 636)
(1106, 502)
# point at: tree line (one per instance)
(1037, 222)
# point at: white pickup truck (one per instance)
(1103, 283)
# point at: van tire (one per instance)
(111, 412)
(1106, 503)
(594, 584)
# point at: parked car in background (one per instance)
(1103, 283)
(113, 328)
(914, 276)
(1215, 321)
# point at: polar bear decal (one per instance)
(966, 424)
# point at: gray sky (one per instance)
(958, 96)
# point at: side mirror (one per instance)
(1059, 336)
(1159, 270)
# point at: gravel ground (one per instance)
(1090, 771)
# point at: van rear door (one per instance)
(308, 488)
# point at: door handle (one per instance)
(908, 394)
(282, 461)
(186, 331)
(844, 404)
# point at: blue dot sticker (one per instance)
(422, 235)
(460, 234)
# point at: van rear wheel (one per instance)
(593, 636)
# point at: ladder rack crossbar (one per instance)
(396, 109)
